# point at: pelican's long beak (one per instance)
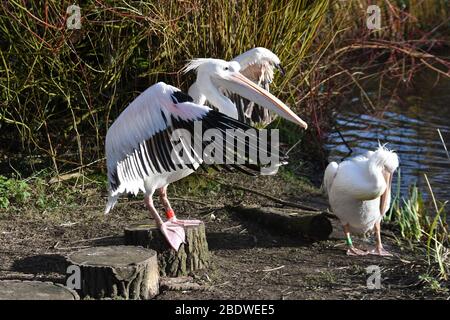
(239, 84)
(384, 197)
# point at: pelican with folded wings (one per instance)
(359, 192)
(139, 146)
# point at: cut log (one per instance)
(117, 272)
(35, 290)
(314, 226)
(191, 256)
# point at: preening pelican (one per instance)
(257, 64)
(359, 192)
(139, 145)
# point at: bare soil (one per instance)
(248, 261)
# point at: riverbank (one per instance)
(248, 260)
(52, 134)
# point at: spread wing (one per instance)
(158, 133)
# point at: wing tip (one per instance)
(112, 200)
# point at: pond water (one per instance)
(409, 126)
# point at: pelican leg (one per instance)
(352, 250)
(379, 250)
(173, 233)
(171, 214)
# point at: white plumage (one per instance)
(129, 157)
(359, 190)
(258, 65)
(139, 144)
(141, 120)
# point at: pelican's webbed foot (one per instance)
(173, 233)
(352, 251)
(185, 223)
(380, 251)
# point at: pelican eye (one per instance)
(226, 68)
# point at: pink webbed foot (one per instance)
(174, 234)
(185, 223)
(356, 252)
(380, 251)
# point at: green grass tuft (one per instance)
(13, 192)
(425, 225)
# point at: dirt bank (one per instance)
(249, 262)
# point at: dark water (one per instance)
(409, 126)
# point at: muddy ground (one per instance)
(33, 243)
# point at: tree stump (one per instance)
(35, 290)
(306, 224)
(192, 255)
(117, 272)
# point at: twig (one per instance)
(170, 198)
(68, 224)
(210, 210)
(180, 284)
(221, 284)
(446, 74)
(273, 269)
(274, 199)
(70, 174)
(432, 194)
(69, 248)
(443, 143)
(231, 228)
(64, 177)
(188, 200)
(350, 150)
(290, 149)
(94, 239)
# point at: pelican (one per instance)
(257, 64)
(139, 147)
(359, 193)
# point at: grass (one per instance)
(13, 191)
(424, 226)
(36, 197)
(432, 284)
(297, 184)
(62, 88)
(320, 279)
(409, 213)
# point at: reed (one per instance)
(62, 88)
(424, 225)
